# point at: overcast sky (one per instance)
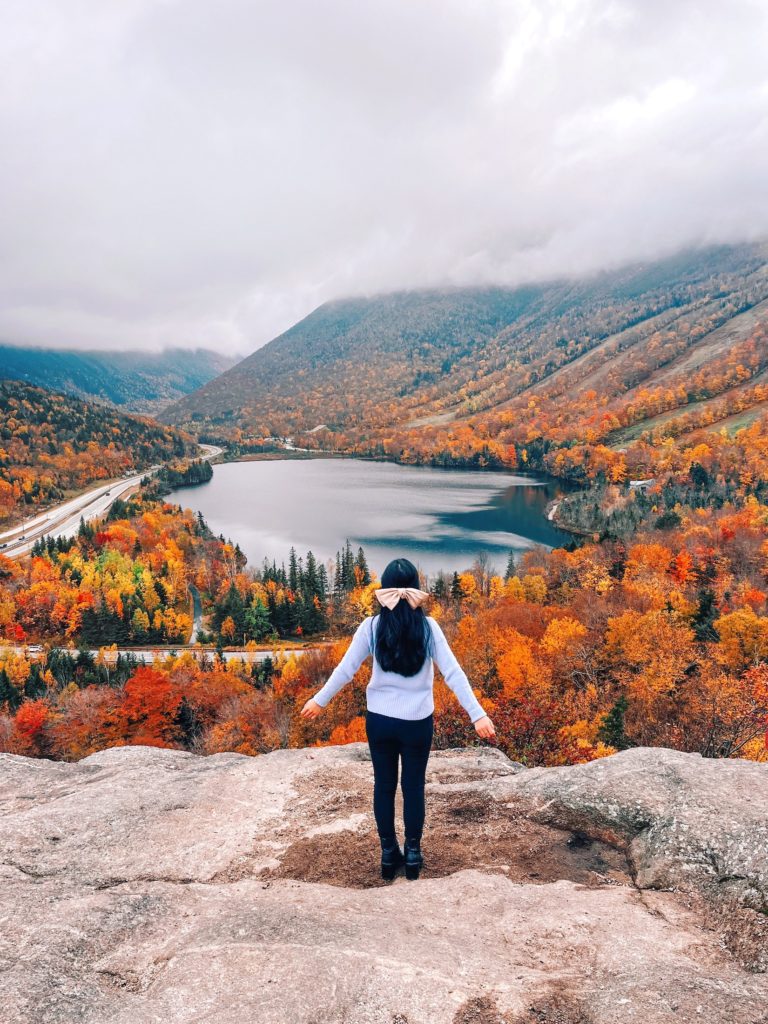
(205, 172)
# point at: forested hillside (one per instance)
(138, 381)
(630, 375)
(648, 388)
(574, 654)
(416, 373)
(51, 444)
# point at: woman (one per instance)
(399, 721)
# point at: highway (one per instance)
(151, 654)
(64, 520)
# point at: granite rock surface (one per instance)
(145, 885)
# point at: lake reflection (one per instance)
(438, 518)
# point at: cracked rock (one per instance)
(146, 885)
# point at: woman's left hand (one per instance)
(311, 709)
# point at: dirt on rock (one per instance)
(550, 1009)
(464, 829)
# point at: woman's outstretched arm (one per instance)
(356, 653)
(454, 674)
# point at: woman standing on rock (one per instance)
(399, 721)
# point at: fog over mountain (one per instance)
(207, 173)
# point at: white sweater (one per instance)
(398, 696)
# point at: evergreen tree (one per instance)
(61, 665)
(293, 571)
(85, 530)
(35, 686)
(257, 624)
(9, 695)
(311, 586)
(362, 568)
(85, 669)
(511, 569)
(456, 589)
(232, 606)
(348, 567)
(322, 575)
(313, 618)
(262, 672)
(706, 613)
(611, 730)
(699, 475)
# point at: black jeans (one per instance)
(388, 740)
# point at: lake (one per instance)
(438, 518)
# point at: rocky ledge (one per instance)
(144, 885)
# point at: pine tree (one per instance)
(232, 606)
(35, 686)
(311, 586)
(9, 695)
(293, 571)
(611, 730)
(511, 566)
(257, 622)
(456, 590)
(348, 567)
(362, 568)
(322, 574)
(704, 619)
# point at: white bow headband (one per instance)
(389, 596)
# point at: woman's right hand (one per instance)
(484, 727)
(311, 709)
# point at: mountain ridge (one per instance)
(141, 382)
(366, 366)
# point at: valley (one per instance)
(64, 520)
(579, 469)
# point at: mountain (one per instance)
(52, 444)
(143, 884)
(396, 373)
(138, 381)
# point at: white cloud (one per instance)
(207, 171)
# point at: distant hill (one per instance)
(138, 381)
(53, 444)
(391, 373)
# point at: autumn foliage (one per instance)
(52, 445)
(576, 654)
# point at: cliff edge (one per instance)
(146, 885)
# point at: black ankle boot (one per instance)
(391, 859)
(414, 861)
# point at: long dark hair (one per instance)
(402, 634)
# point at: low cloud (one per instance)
(206, 172)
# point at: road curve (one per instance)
(64, 520)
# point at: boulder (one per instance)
(686, 821)
(145, 885)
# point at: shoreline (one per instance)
(549, 513)
(304, 453)
(535, 476)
